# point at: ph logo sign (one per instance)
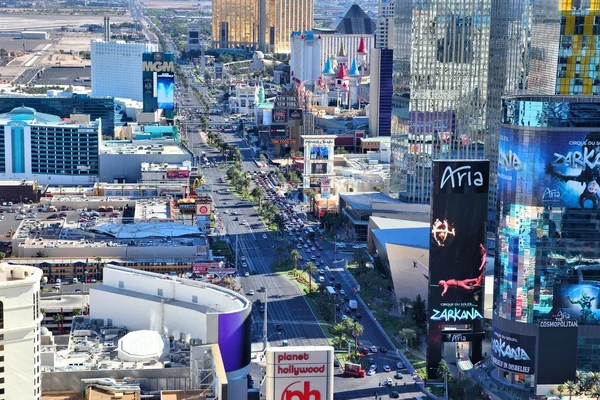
(300, 391)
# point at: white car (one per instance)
(244, 265)
(243, 258)
(388, 382)
(343, 293)
(246, 274)
(372, 348)
(371, 372)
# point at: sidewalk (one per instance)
(484, 374)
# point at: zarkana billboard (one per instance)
(552, 167)
(513, 352)
(457, 254)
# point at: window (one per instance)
(195, 299)
(160, 292)
(121, 284)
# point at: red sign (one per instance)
(202, 209)
(202, 267)
(302, 393)
(174, 173)
(283, 141)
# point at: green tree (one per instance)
(377, 189)
(310, 269)
(77, 311)
(442, 369)
(41, 254)
(571, 388)
(360, 257)
(2, 255)
(595, 392)
(419, 311)
(258, 194)
(295, 254)
(561, 389)
(340, 342)
(357, 330)
(408, 336)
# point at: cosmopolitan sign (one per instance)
(300, 373)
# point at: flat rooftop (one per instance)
(17, 182)
(364, 201)
(146, 210)
(171, 147)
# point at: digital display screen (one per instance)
(165, 92)
(581, 302)
(319, 153)
(558, 168)
(457, 253)
(318, 168)
(513, 352)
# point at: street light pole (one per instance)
(265, 319)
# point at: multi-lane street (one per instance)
(286, 306)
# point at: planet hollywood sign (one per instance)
(317, 142)
(296, 370)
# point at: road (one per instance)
(286, 306)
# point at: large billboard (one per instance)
(165, 91)
(235, 339)
(513, 352)
(300, 373)
(319, 153)
(457, 254)
(318, 168)
(581, 302)
(553, 167)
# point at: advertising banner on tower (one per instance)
(554, 167)
(513, 352)
(457, 253)
(581, 302)
(300, 373)
(165, 91)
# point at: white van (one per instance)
(330, 290)
(75, 280)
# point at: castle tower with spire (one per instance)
(361, 55)
(354, 77)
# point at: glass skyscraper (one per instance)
(449, 76)
(547, 265)
(264, 25)
(440, 86)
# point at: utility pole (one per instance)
(446, 386)
(265, 320)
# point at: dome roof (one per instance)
(23, 110)
(45, 332)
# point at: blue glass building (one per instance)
(43, 147)
(547, 266)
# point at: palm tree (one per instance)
(340, 341)
(310, 268)
(560, 389)
(98, 260)
(595, 392)
(594, 379)
(258, 194)
(295, 254)
(571, 388)
(357, 331)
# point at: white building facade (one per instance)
(245, 98)
(117, 68)
(305, 57)
(44, 148)
(183, 308)
(331, 44)
(385, 25)
(20, 319)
